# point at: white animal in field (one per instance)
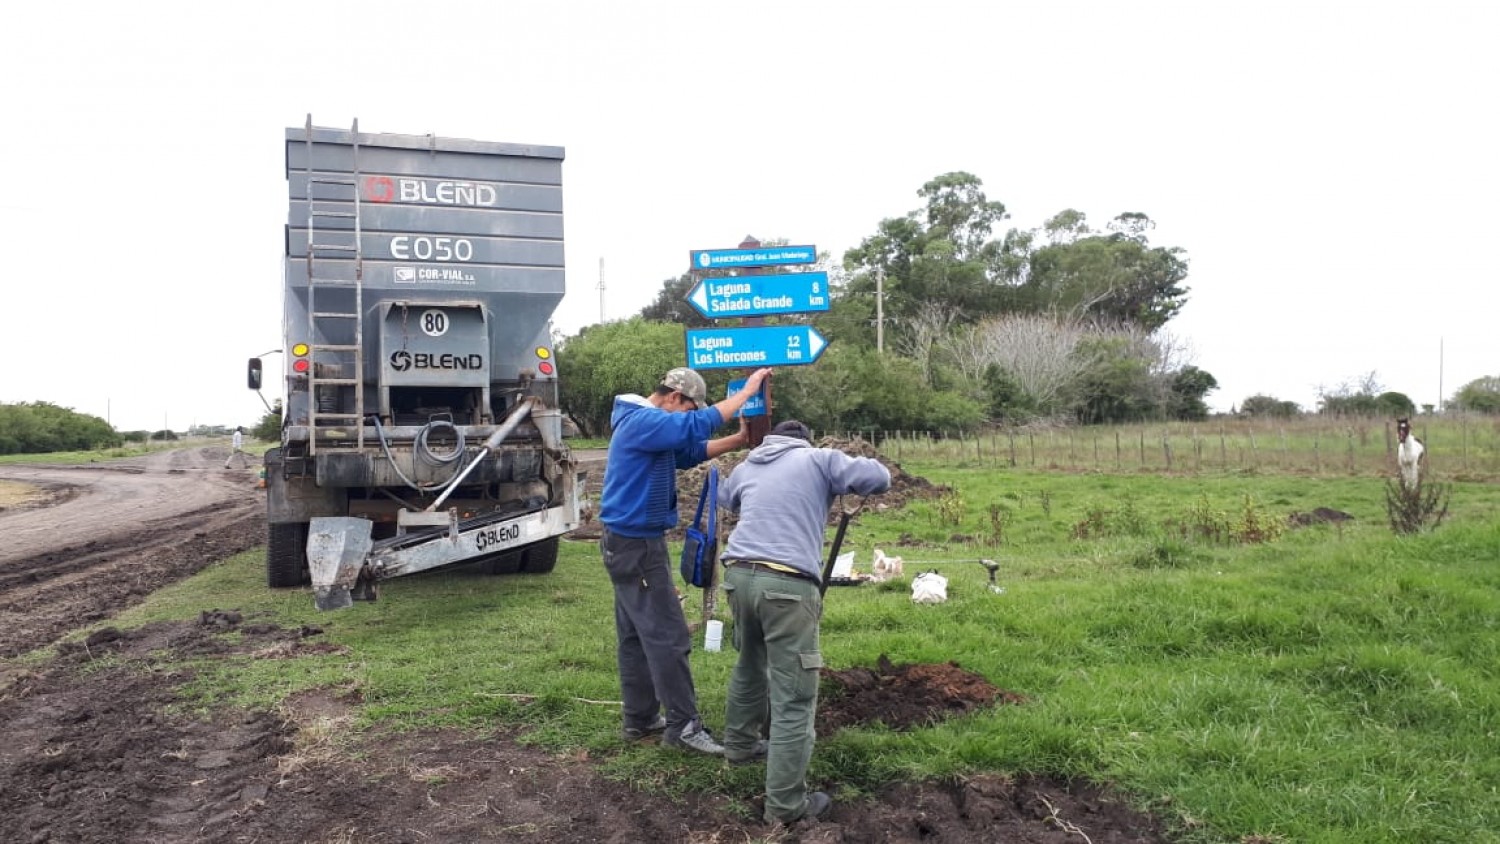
(883, 567)
(1409, 451)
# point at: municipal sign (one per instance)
(762, 256)
(772, 345)
(756, 405)
(760, 295)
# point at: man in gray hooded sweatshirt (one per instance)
(783, 491)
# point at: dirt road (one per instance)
(104, 535)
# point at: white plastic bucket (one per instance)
(713, 635)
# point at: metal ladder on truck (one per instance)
(334, 199)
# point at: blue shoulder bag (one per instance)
(700, 541)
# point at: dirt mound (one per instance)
(902, 697)
(1319, 516)
(905, 487)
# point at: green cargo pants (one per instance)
(776, 633)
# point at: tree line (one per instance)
(41, 427)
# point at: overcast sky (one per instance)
(1330, 169)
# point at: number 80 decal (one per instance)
(434, 323)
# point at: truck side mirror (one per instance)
(252, 375)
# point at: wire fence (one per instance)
(1458, 446)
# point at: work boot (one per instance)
(814, 809)
(655, 728)
(757, 754)
(695, 737)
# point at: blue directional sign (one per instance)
(755, 406)
(772, 345)
(760, 295)
(761, 256)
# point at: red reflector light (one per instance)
(545, 367)
(299, 365)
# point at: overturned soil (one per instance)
(902, 697)
(97, 746)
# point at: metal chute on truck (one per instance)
(420, 426)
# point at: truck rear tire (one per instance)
(286, 555)
(540, 558)
(507, 563)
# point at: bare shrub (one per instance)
(1412, 507)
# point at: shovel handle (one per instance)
(838, 542)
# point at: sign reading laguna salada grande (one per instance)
(760, 295)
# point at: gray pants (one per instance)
(651, 632)
(776, 631)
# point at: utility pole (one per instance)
(880, 310)
(601, 289)
(1440, 375)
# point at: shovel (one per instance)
(838, 542)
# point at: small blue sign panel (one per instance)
(771, 345)
(756, 406)
(760, 295)
(764, 256)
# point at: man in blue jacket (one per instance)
(783, 491)
(653, 437)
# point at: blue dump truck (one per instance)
(420, 425)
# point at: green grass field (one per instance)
(1333, 683)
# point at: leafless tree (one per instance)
(924, 331)
(1046, 355)
(1041, 353)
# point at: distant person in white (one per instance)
(237, 442)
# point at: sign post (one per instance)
(750, 295)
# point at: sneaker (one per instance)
(816, 807)
(757, 754)
(695, 737)
(655, 728)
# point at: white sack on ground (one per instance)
(929, 588)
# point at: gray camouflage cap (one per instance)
(687, 382)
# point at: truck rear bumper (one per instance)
(397, 557)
